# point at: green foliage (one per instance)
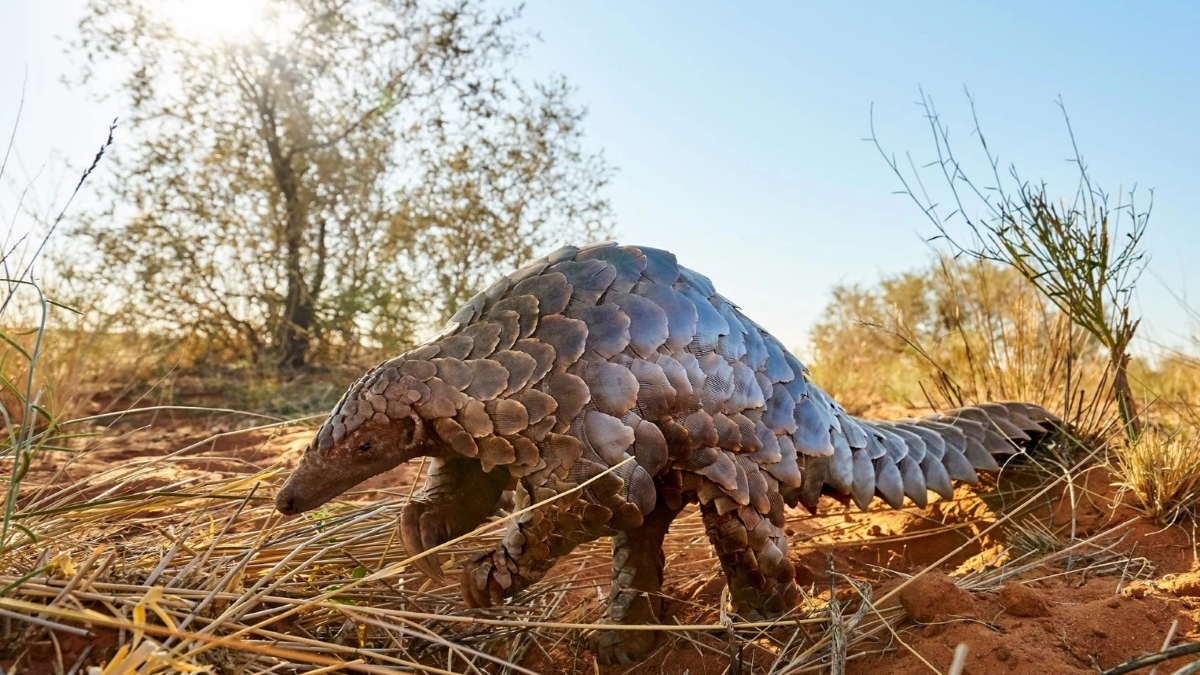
(338, 180)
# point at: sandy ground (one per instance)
(1072, 622)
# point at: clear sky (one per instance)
(738, 128)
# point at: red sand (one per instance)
(1073, 623)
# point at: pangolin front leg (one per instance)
(533, 543)
(753, 553)
(637, 577)
(457, 498)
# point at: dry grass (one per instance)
(1162, 470)
(200, 573)
(958, 333)
(182, 570)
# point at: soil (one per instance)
(1048, 619)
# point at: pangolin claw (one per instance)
(476, 583)
(418, 536)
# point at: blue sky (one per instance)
(737, 128)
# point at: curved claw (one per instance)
(474, 582)
(418, 539)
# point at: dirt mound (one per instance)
(934, 597)
(1085, 628)
(1081, 617)
(1022, 601)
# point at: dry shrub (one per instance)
(957, 333)
(1162, 470)
(80, 371)
(1080, 249)
(1172, 382)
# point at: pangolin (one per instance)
(609, 356)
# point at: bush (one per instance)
(952, 334)
(1163, 472)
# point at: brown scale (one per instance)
(613, 364)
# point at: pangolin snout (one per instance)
(285, 501)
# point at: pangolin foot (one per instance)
(487, 579)
(621, 647)
(423, 526)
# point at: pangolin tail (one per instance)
(905, 458)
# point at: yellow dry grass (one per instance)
(197, 573)
(1162, 470)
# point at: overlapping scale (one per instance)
(679, 311)
(484, 335)
(647, 322)
(550, 289)
(526, 309)
(613, 388)
(627, 261)
(710, 325)
(589, 279)
(661, 266)
(592, 355)
(607, 329)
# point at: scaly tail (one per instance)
(905, 458)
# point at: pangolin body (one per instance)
(616, 356)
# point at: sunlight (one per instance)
(218, 20)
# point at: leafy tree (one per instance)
(339, 177)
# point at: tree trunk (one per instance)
(297, 316)
(296, 322)
(1126, 405)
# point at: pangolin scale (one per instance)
(616, 356)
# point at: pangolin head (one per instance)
(371, 430)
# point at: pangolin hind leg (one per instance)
(753, 554)
(533, 543)
(637, 576)
(458, 496)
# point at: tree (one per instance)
(338, 177)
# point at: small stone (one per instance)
(1020, 600)
(1002, 654)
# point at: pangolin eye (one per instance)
(365, 447)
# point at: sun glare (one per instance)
(218, 20)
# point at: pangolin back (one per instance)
(594, 355)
